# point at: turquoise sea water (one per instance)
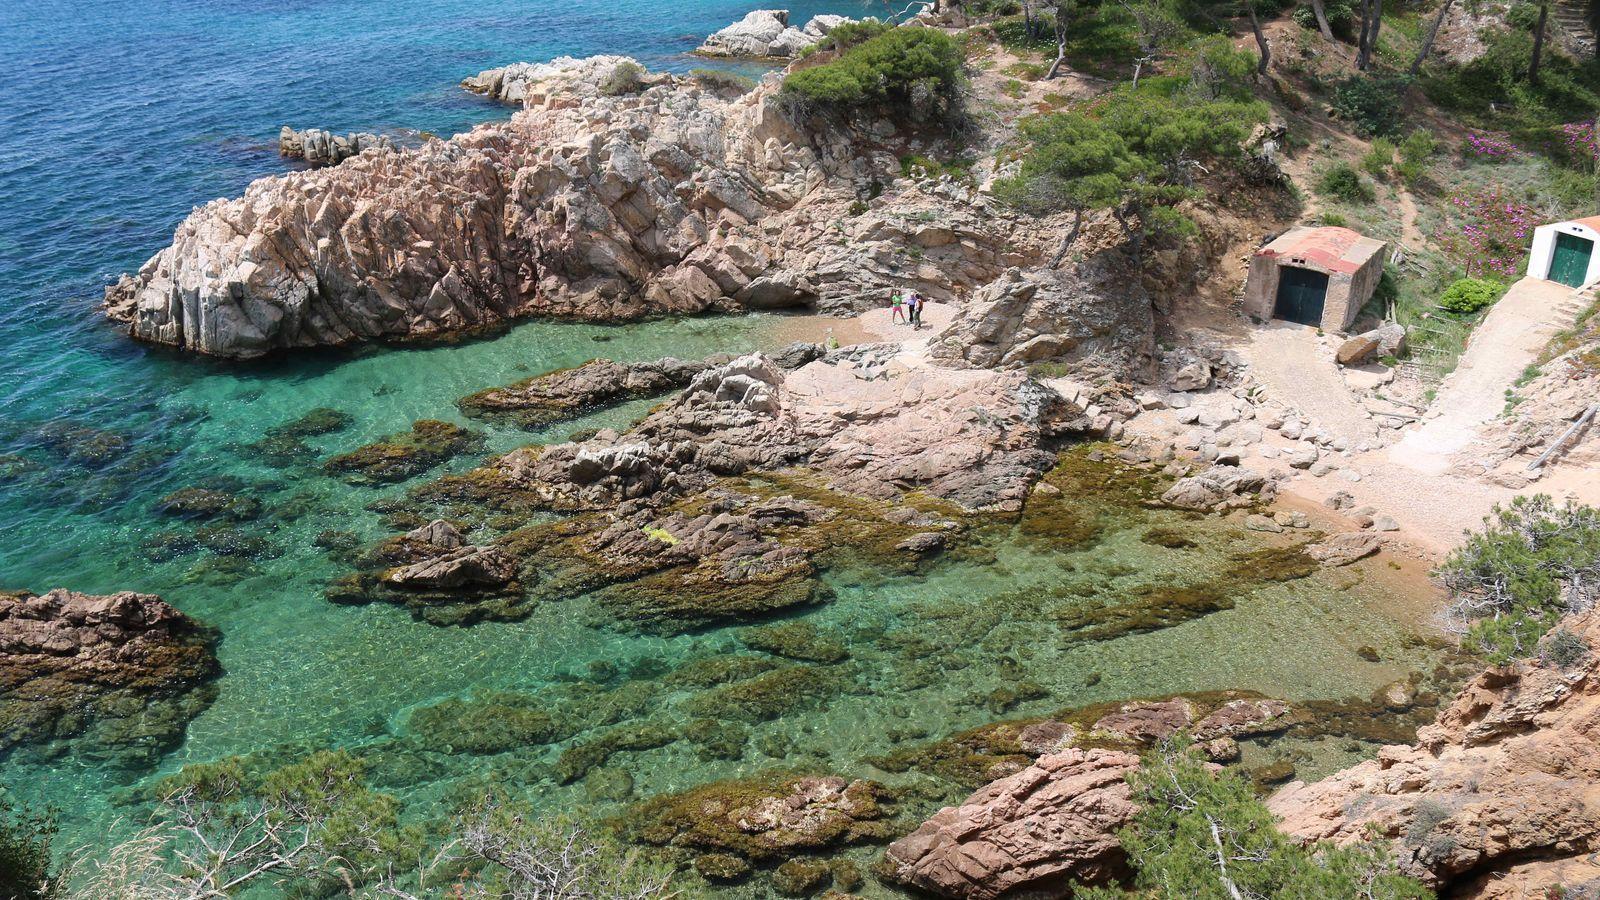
(119, 117)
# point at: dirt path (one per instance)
(1411, 237)
(1507, 342)
(1289, 362)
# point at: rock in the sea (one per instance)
(532, 84)
(767, 34)
(122, 674)
(1040, 830)
(401, 456)
(463, 567)
(566, 393)
(322, 148)
(1497, 798)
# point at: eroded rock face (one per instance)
(1047, 826)
(1025, 317)
(668, 200)
(1503, 783)
(323, 148)
(120, 674)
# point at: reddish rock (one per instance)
(1147, 722)
(1505, 782)
(1049, 825)
(125, 672)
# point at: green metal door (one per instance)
(1300, 295)
(1571, 260)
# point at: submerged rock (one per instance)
(120, 675)
(568, 393)
(398, 457)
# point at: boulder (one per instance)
(469, 566)
(1344, 549)
(1219, 487)
(1040, 830)
(122, 673)
(1356, 350)
(756, 35)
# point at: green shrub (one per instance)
(1419, 145)
(1370, 103)
(1469, 295)
(1530, 564)
(1186, 811)
(1493, 90)
(626, 78)
(901, 66)
(1563, 649)
(1342, 182)
(722, 79)
(1523, 16)
(1333, 219)
(1341, 17)
(852, 33)
(25, 862)
(1379, 159)
(1131, 157)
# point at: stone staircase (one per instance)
(1573, 16)
(1568, 310)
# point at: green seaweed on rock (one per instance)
(402, 456)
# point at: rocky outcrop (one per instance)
(1219, 488)
(1500, 797)
(535, 84)
(119, 675)
(571, 392)
(323, 148)
(1042, 829)
(859, 418)
(669, 200)
(767, 34)
(1085, 318)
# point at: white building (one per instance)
(1564, 252)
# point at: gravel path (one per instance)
(1289, 361)
(1509, 340)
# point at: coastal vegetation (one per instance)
(1205, 834)
(906, 68)
(1533, 562)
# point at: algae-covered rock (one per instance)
(398, 457)
(120, 675)
(566, 393)
(801, 877)
(796, 640)
(206, 503)
(766, 697)
(490, 722)
(765, 819)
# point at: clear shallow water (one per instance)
(120, 118)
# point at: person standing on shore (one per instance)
(897, 308)
(916, 311)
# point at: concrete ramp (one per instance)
(1509, 340)
(1287, 360)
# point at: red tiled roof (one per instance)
(1592, 222)
(1331, 248)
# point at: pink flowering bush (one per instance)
(1492, 231)
(1488, 148)
(1580, 139)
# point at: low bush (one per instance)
(850, 34)
(722, 80)
(919, 67)
(626, 78)
(1469, 295)
(1511, 582)
(1371, 104)
(1342, 182)
(1379, 159)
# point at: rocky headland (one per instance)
(119, 675)
(669, 197)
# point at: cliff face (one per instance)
(673, 199)
(1499, 798)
